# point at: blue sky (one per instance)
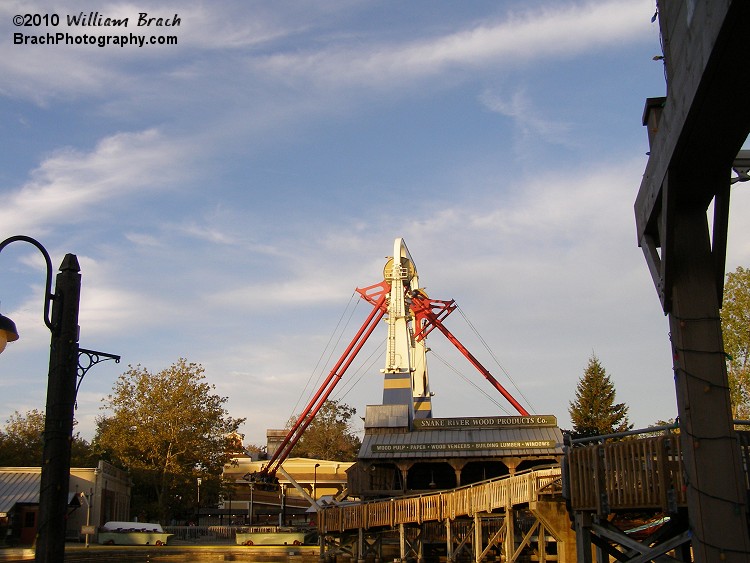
(226, 195)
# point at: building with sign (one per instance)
(402, 456)
(301, 480)
(96, 495)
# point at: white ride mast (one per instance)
(405, 373)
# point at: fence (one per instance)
(631, 474)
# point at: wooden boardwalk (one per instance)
(508, 517)
(483, 497)
(531, 513)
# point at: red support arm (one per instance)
(315, 404)
(427, 319)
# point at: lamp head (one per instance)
(8, 332)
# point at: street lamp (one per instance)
(250, 507)
(8, 332)
(315, 482)
(66, 371)
(198, 515)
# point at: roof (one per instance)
(21, 485)
(517, 441)
(18, 485)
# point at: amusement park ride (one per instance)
(410, 316)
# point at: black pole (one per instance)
(58, 426)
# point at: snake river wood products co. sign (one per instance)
(484, 422)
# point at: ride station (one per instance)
(407, 453)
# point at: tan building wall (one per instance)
(316, 477)
(96, 495)
(107, 490)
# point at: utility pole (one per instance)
(58, 424)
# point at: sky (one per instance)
(226, 194)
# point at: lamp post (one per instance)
(315, 482)
(65, 374)
(282, 512)
(250, 507)
(198, 514)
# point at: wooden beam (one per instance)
(714, 478)
(706, 115)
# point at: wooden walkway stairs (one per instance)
(515, 518)
(587, 509)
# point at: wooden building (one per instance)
(401, 456)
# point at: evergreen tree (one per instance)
(594, 411)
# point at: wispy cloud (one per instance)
(542, 33)
(70, 183)
(530, 124)
(551, 33)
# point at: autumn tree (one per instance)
(22, 443)
(329, 435)
(735, 326)
(168, 429)
(594, 411)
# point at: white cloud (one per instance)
(336, 64)
(553, 33)
(531, 126)
(71, 183)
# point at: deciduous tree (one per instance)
(735, 326)
(22, 443)
(594, 411)
(168, 428)
(329, 435)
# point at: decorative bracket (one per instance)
(92, 358)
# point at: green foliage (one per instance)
(735, 326)
(168, 429)
(22, 443)
(594, 411)
(329, 435)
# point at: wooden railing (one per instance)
(465, 501)
(629, 474)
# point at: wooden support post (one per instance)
(360, 545)
(509, 545)
(420, 545)
(477, 538)
(715, 482)
(448, 541)
(583, 536)
(402, 542)
(554, 518)
(602, 556)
